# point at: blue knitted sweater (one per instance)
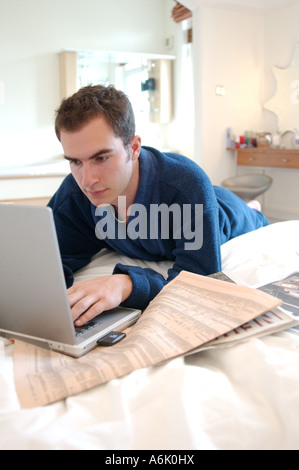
(165, 178)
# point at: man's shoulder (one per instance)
(69, 183)
(173, 161)
(177, 170)
(67, 194)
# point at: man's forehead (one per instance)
(95, 137)
(97, 126)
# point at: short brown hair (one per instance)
(97, 101)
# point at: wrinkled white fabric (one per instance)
(243, 397)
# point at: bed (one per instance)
(242, 397)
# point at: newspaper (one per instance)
(282, 318)
(189, 312)
(269, 323)
(287, 290)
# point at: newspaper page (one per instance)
(189, 312)
(287, 290)
(269, 323)
(285, 317)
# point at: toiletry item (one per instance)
(248, 138)
(230, 139)
(264, 139)
(276, 141)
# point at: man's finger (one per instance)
(75, 294)
(92, 312)
(83, 305)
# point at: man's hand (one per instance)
(90, 298)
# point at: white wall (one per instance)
(33, 32)
(281, 36)
(230, 53)
(236, 47)
(233, 47)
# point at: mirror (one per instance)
(146, 79)
(285, 103)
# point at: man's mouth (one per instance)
(95, 194)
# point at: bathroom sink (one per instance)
(249, 186)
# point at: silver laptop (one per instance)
(34, 304)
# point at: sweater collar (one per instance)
(148, 176)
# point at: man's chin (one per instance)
(100, 198)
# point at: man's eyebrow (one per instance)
(92, 157)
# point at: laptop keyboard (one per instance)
(80, 330)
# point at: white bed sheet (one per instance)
(243, 397)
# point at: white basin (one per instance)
(248, 187)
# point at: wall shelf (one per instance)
(268, 158)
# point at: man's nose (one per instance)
(89, 175)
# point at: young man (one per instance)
(136, 201)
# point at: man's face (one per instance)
(102, 167)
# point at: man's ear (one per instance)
(135, 146)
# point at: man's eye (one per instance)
(75, 162)
(101, 159)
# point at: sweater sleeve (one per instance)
(75, 229)
(184, 184)
(204, 260)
